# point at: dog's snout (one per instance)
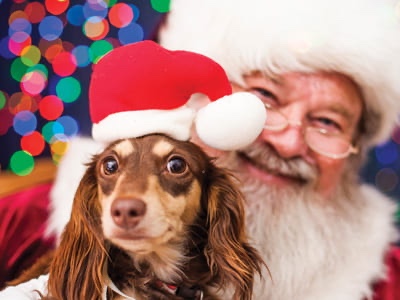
(127, 213)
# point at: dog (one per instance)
(154, 218)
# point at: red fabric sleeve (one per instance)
(23, 218)
(390, 288)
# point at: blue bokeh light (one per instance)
(20, 25)
(50, 28)
(95, 9)
(387, 154)
(130, 34)
(24, 122)
(82, 55)
(75, 15)
(69, 124)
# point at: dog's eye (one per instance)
(110, 165)
(176, 165)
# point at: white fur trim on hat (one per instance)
(359, 38)
(232, 122)
(175, 123)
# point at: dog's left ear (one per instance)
(232, 261)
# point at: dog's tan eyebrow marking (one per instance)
(124, 148)
(162, 148)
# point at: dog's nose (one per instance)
(127, 213)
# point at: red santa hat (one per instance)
(358, 38)
(142, 88)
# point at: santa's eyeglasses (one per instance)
(320, 140)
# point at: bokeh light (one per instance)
(33, 83)
(50, 49)
(30, 55)
(22, 163)
(50, 28)
(96, 28)
(387, 179)
(56, 7)
(51, 107)
(19, 25)
(131, 33)
(25, 122)
(18, 69)
(52, 129)
(3, 99)
(69, 124)
(6, 123)
(161, 5)
(18, 41)
(68, 89)
(120, 15)
(33, 143)
(387, 153)
(35, 12)
(82, 56)
(18, 14)
(75, 15)
(94, 8)
(98, 49)
(20, 102)
(58, 148)
(64, 64)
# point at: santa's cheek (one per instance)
(330, 174)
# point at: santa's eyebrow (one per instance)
(341, 110)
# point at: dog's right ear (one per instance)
(232, 260)
(76, 271)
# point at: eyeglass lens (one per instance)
(317, 139)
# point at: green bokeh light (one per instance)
(68, 89)
(98, 49)
(22, 163)
(18, 69)
(51, 129)
(161, 6)
(3, 100)
(110, 3)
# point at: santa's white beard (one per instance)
(310, 244)
(301, 240)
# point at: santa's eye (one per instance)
(176, 165)
(110, 165)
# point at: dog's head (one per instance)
(165, 204)
(149, 191)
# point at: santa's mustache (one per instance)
(265, 157)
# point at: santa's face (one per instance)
(300, 202)
(284, 159)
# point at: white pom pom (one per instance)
(231, 122)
